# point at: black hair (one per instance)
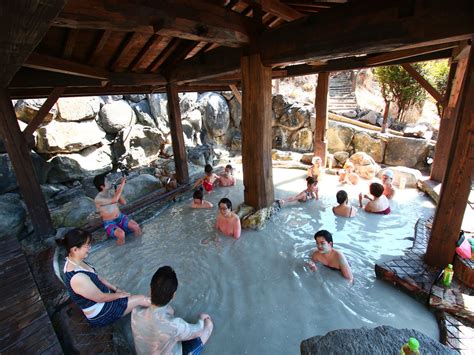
(376, 189)
(341, 196)
(99, 181)
(208, 168)
(325, 234)
(311, 180)
(163, 285)
(228, 166)
(76, 237)
(198, 194)
(227, 202)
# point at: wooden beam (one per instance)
(33, 78)
(58, 65)
(70, 43)
(320, 142)
(23, 25)
(279, 9)
(177, 137)
(22, 164)
(153, 45)
(237, 93)
(102, 40)
(197, 20)
(457, 180)
(136, 79)
(164, 55)
(43, 111)
(121, 61)
(257, 132)
(423, 82)
(370, 26)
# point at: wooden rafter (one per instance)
(198, 21)
(164, 55)
(121, 60)
(70, 43)
(279, 9)
(33, 78)
(102, 40)
(423, 82)
(236, 93)
(153, 45)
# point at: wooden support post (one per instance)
(43, 111)
(321, 103)
(457, 179)
(385, 117)
(19, 154)
(177, 138)
(257, 132)
(448, 121)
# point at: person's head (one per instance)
(229, 169)
(376, 189)
(101, 182)
(77, 242)
(311, 182)
(341, 197)
(323, 241)
(349, 166)
(208, 169)
(163, 286)
(387, 176)
(316, 161)
(198, 196)
(225, 206)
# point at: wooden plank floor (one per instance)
(24, 324)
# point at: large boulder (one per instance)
(201, 155)
(88, 162)
(371, 144)
(51, 190)
(411, 176)
(302, 140)
(68, 137)
(13, 215)
(409, 152)
(116, 115)
(258, 219)
(140, 186)
(78, 108)
(108, 99)
(235, 112)
(215, 113)
(7, 175)
(340, 158)
(187, 102)
(370, 117)
(281, 138)
(143, 113)
(138, 145)
(26, 110)
(364, 165)
(339, 136)
(158, 106)
(280, 104)
(76, 213)
(195, 118)
(381, 340)
(135, 97)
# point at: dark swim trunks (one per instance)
(192, 347)
(385, 211)
(120, 222)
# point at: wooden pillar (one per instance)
(20, 158)
(457, 179)
(177, 138)
(257, 132)
(321, 102)
(447, 123)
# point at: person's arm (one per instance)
(103, 201)
(317, 193)
(83, 285)
(345, 268)
(237, 228)
(312, 262)
(198, 182)
(188, 331)
(295, 198)
(110, 286)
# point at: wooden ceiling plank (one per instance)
(33, 78)
(279, 9)
(164, 55)
(70, 43)
(152, 45)
(104, 37)
(121, 60)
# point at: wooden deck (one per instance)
(25, 325)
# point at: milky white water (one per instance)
(257, 290)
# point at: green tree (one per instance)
(398, 86)
(437, 75)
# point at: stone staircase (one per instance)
(341, 97)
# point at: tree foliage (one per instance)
(437, 75)
(398, 86)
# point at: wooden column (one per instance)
(321, 102)
(257, 132)
(457, 179)
(447, 123)
(177, 138)
(20, 158)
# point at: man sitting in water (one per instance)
(387, 178)
(116, 224)
(343, 209)
(157, 331)
(227, 221)
(198, 200)
(208, 180)
(227, 178)
(379, 203)
(329, 257)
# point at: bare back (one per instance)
(107, 209)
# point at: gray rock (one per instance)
(158, 106)
(13, 215)
(339, 136)
(88, 162)
(215, 113)
(111, 98)
(201, 155)
(135, 97)
(381, 340)
(412, 176)
(187, 102)
(26, 110)
(280, 105)
(409, 152)
(2, 147)
(189, 133)
(302, 140)
(236, 144)
(116, 115)
(340, 159)
(142, 110)
(280, 138)
(78, 108)
(7, 175)
(370, 117)
(76, 213)
(140, 186)
(68, 137)
(195, 118)
(371, 144)
(349, 113)
(51, 190)
(364, 165)
(235, 112)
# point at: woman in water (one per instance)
(101, 302)
(343, 209)
(310, 193)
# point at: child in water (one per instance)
(198, 200)
(347, 174)
(310, 193)
(227, 178)
(315, 170)
(208, 180)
